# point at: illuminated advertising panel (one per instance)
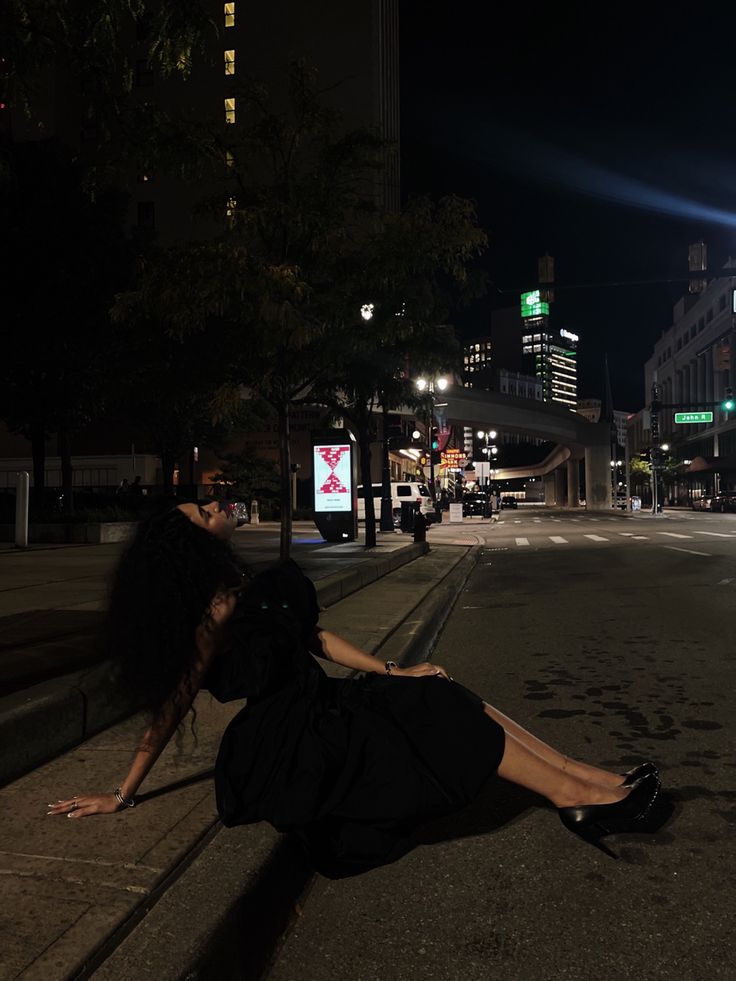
(532, 305)
(333, 487)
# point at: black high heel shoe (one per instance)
(592, 821)
(643, 770)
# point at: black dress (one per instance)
(352, 766)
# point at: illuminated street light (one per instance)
(428, 385)
(366, 311)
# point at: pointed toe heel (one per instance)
(643, 770)
(592, 821)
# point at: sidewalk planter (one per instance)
(59, 533)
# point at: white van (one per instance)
(401, 491)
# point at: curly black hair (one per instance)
(161, 592)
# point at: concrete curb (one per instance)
(249, 875)
(48, 719)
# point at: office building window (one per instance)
(229, 15)
(229, 110)
(230, 62)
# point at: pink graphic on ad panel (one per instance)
(332, 455)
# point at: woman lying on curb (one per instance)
(352, 766)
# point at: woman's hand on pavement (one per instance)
(76, 807)
(421, 671)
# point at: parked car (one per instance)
(476, 504)
(509, 502)
(702, 503)
(401, 491)
(724, 502)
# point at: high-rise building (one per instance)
(355, 49)
(550, 353)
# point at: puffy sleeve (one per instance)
(267, 636)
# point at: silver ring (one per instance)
(74, 806)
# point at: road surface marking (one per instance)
(596, 538)
(715, 534)
(641, 538)
(673, 534)
(594, 519)
(726, 582)
(574, 519)
(522, 541)
(627, 534)
(517, 521)
(689, 551)
(558, 539)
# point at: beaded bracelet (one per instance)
(126, 801)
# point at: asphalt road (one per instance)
(613, 640)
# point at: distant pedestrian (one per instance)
(123, 487)
(135, 487)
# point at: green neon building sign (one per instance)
(532, 305)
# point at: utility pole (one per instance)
(654, 410)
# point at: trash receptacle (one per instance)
(408, 516)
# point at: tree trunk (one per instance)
(38, 452)
(285, 480)
(67, 472)
(364, 434)
(387, 515)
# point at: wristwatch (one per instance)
(390, 665)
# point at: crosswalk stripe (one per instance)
(673, 534)
(626, 534)
(522, 541)
(558, 539)
(715, 534)
(641, 538)
(690, 551)
(596, 538)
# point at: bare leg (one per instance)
(522, 766)
(565, 763)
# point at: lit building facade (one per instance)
(550, 354)
(694, 363)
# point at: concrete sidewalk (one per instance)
(74, 890)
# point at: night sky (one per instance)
(595, 132)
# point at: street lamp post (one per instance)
(428, 385)
(491, 454)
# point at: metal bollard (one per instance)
(22, 485)
(420, 528)
(254, 519)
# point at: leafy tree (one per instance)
(411, 266)
(247, 474)
(270, 285)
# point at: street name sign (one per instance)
(684, 418)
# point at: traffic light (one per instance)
(435, 438)
(728, 404)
